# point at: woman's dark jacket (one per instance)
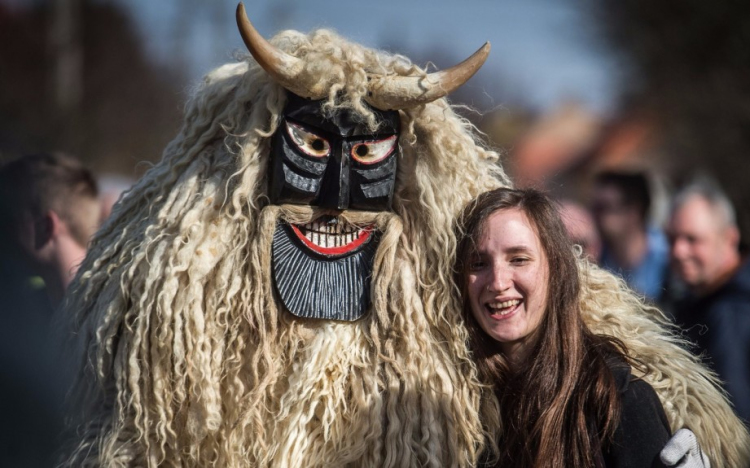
(643, 431)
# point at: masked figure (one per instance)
(277, 290)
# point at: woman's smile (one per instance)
(503, 309)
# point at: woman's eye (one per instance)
(308, 142)
(519, 260)
(372, 151)
(476, 265)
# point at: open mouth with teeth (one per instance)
(331, 236)
(503, 308)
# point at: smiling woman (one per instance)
(565, 395)
(507, 282)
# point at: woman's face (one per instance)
(507, 281)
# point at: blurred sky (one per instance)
(543, 51)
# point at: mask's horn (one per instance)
(285, 69)
(385, 92)
(400, 92)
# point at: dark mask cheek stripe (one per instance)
(303, 184)
(378, 189)
(389, 168)
(313, 167)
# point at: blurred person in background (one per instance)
(48, 211)
(631, 247)
(704, 240)
(581, 228)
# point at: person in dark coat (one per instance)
(715, 313)
(48, 211)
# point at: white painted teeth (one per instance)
(331, 233)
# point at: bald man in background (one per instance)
(704, 241)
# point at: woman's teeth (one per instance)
(504, 307)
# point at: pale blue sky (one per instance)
(543, 51)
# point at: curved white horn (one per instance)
(285, 69)
(400, 92)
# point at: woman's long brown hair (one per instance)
(562, 406)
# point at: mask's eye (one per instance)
(310, 143)
(372, 151)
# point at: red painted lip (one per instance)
(362, 237)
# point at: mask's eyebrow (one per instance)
(317, 130)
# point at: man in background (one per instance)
(48, 212)
(704, 241)
(631, 248)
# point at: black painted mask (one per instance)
(333, 161)
(322, 269)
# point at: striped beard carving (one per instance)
(322, 269)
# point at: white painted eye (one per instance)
(308, 142)
(372, 151)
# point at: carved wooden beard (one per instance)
(323, 269)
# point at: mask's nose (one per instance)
(336, 184)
